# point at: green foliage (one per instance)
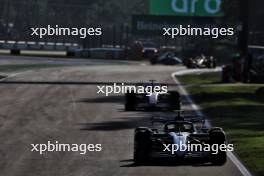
(231, 9)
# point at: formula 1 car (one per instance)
(201, 62)
(167, 58)
(153, 101)
(149, 142)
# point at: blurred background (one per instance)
(119, 20)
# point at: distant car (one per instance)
(143, 49)
(167, 58)
(201, 61)
(149, 49)
(149, 142)
(85, 52)
(153, 101)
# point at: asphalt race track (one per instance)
(62, 104)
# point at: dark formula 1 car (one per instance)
(149, 142)
(167, 58)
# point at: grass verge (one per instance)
(237, 109)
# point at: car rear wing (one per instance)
(195, 119)
(162, 120)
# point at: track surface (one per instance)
(74, 113)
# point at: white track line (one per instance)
(230, 155)
(197, 71)
(9, 76)
(14, 75)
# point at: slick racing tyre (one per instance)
(130, 103)
(142, 145)
(217, 136)
(174, 100)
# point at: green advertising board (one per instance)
(152, 25)
(204, 8)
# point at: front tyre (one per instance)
(217, 137)
(142, 145)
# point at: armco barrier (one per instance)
(16, 47)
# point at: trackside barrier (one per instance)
(16, 47)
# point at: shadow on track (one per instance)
(167, 163)
(104, 99)
(125, 123)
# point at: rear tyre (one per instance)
(217, 136)
(142, 145)
(174, 100)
